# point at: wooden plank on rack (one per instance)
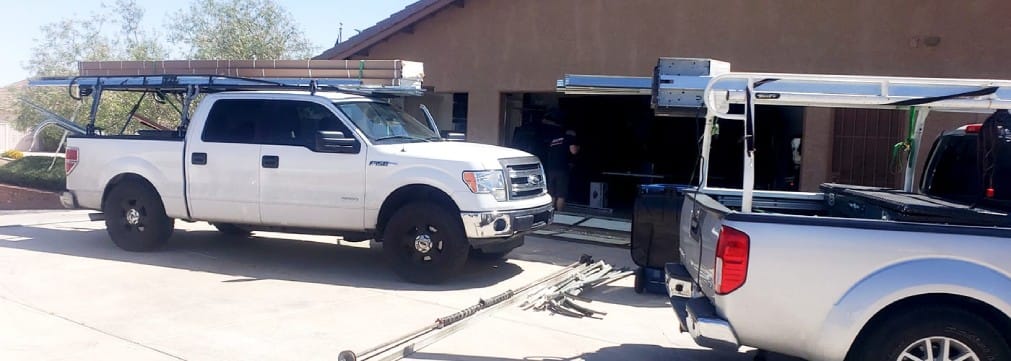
(370, 69)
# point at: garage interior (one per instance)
(624, 145)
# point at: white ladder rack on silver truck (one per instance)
(921, 95)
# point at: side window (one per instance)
(277, 122)
(232, 121)
(296, 123)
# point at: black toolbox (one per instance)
(851, 201)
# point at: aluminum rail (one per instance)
(574, 84)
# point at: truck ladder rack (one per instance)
(188, 86)
(843, 91)
(181, 83)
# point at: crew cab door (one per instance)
(223, 164)
(303, 184)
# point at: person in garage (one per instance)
(562, 147)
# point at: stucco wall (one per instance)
(489, 47)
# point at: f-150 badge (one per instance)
(381, 163)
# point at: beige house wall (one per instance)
(490, 47)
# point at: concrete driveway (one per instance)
(66, 292)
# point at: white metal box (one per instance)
(678, 84)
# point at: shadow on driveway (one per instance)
(638, 352)
(625, 296)
(252, 258)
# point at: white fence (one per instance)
(9, 137)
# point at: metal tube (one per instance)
(707, 145)
(53, 118)
(394, 343)
(184, 114)
(748, 185)
(132, 112)
(430, 119)
(96, 99)
(914, 147)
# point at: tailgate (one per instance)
(701, 219)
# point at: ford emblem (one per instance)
(534, 179)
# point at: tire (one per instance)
(135, 217)
(231, 229)
(908, 331)
(425, 243)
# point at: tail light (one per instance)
(973, 128)
(731, 260)
(71, 159)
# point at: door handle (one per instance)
(270, 161)
(198, 158)
(696, 214)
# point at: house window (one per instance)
(460, 112)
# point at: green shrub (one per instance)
(34, 172)
(12, 154)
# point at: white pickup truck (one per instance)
(327, 162)
(855, 273)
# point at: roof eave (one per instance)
(388, 27)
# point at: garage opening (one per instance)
(623, 145)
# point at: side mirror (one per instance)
(336, 142)
(454, 136)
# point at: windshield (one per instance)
(383, 122)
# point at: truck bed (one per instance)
(806, 271)
(158, 157)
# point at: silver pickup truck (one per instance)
(854, 273)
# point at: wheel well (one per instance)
(125, 177)
(408, 194)
(995, 317)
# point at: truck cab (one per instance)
(956, 172)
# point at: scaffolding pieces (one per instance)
(559, 289)
(562, 297)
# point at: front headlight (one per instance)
(487, 181)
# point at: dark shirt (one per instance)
(558, 140)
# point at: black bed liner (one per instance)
(852, 201)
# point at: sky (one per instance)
(20, 21)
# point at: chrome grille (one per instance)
(526, 180)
